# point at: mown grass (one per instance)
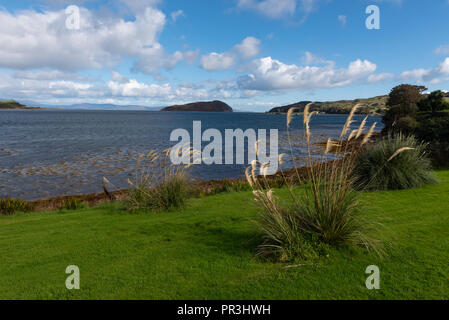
(207, 251)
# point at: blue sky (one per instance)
(252, 54)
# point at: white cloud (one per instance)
(376, 78)
(272, 75)
(432, 76)
(48, 75)
(191, 56)
(117, 77)
(41, 40)
(277, 9)
(133, 88)
(69, 85)
(217, 61)
(248, 48)
(274, 9)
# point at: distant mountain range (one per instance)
(96, 106)
(376, 105)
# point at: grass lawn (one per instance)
(207, 251)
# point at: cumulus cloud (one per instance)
(133, 88)
(117, 77)
(248, 48)
(217, 61)
(432, 76)
(268, 74)
(42, 40)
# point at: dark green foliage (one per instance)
(434, 102)
(406, 125)
(402, 102)
(11, 206)
(409, 169)
(435, 131)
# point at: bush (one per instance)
(382, 167)
(323, 212)
(11, 206)
(435, 131)
(406, 125)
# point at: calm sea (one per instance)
(52, 153)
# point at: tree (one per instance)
(434, 102)
(402, 102)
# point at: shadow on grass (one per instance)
(230, 241)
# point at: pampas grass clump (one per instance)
(324, 210)
(158, 185)
(394, 163)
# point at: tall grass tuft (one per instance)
(11, 206)
(158, 185)
(324, 210)
(394, 163)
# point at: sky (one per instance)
(251, 54)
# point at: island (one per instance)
(14, 105)
(374, 106)
(211, 106)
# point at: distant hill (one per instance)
(212, 106)
(376, 105)
(12, 104)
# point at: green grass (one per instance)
(207, 251)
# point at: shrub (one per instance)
(11, 206)
(435, 131)
(381, 167)
(406, 125)
(158, 185)
(324, 210)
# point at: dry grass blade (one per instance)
(353, 133)
(306, 112)
(369, 134)
(290, 113)
(280, 158)
(399, 152)
(349, 120)
(254, 169)
(330, 145)
(362, 126)
(248, 177)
